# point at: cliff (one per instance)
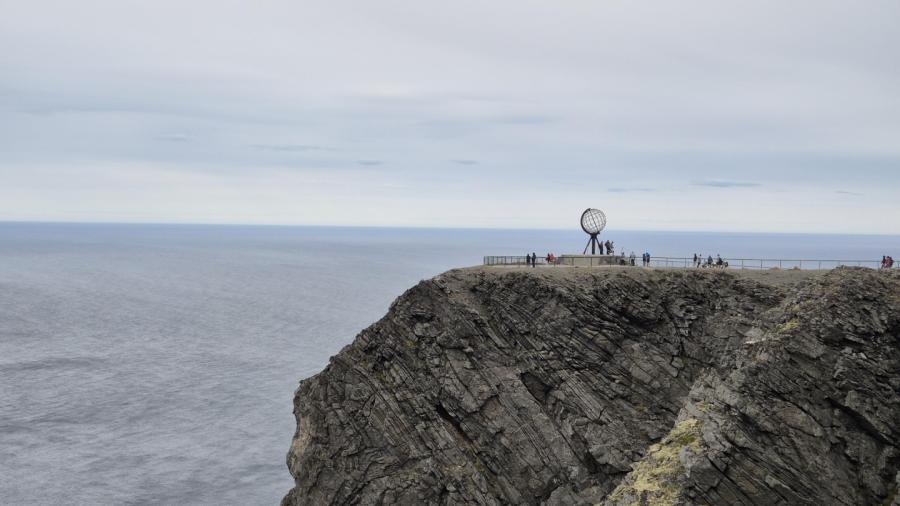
(612, 386)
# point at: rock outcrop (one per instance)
(612, 386)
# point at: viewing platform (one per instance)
(686, 262)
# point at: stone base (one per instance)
(593, 260)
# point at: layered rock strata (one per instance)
(612, 386)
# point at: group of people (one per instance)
(718, 262)
(887, 261)
(610, 247)
(531, 260)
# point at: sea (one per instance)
(156, 364)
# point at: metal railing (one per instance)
(688, 262)
(511, 260)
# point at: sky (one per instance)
(695, 115)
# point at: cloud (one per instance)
(525, 120)
(173, 138)
(720, 183)
(290, 148)
(845, 192)
(627, 190)
(597, 104)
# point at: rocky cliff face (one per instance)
(613, 386)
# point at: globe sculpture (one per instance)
(593, 221)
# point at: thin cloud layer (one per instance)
(719, 183)
(629, 190)
(289, 148)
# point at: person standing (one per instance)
(533, 259)
(527, 259)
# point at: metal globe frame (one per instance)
(593, 221)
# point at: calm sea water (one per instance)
(155, 364)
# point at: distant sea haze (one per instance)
(155, 364)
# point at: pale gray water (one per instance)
(155, 364)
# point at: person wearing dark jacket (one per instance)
(533, 259)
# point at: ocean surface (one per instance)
(156, 364)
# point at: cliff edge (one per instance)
(612, 386)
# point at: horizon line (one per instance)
(421, 227)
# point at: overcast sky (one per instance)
(712, 115)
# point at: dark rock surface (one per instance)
(612, 386)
